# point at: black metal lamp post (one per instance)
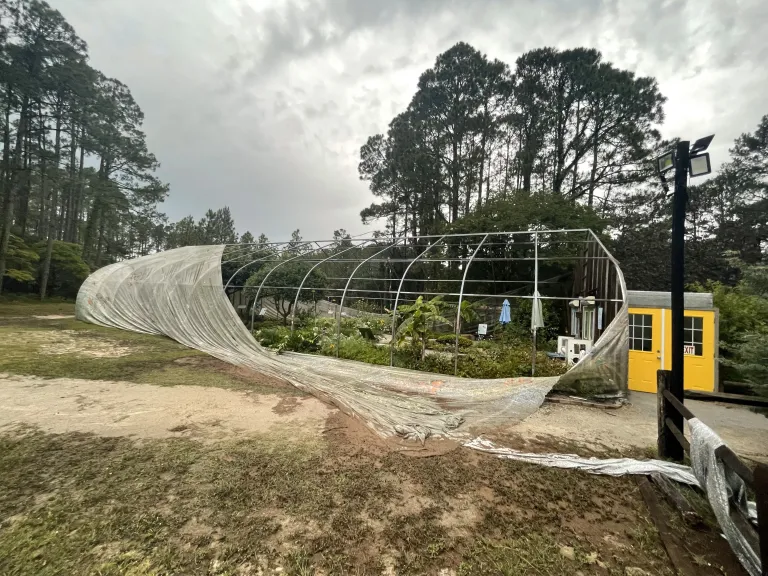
(685, 160)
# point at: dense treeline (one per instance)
(565, 122)
(566, 140)
(561, 139)
(75, 164)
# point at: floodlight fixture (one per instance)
(700, 165)
(666, 161)
(701, 144)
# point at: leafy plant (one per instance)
(281, 284)
(449, 340)
(420, 318)
(67, 271)
(21, 261)
(744, 325)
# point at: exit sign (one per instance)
(689, 349)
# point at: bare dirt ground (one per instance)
(114, 408)
(635, 426)
(160, 460)
(107, 408)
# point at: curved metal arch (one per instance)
(245, 266)
(250, 264)
(458, 309)
(245, 250)
(617, 268)
(296, 300)
(397, 297)
(344, 294)
(268, 274)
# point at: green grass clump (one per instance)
(29, 305)
(68, 348)
(81, 504)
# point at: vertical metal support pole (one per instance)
(344, 294)
(607, 296)
(397, 298)
(268, 274)
(458, 309)
(682, 161)
(535, 297)
(761, 500)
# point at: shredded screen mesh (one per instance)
(179, 294)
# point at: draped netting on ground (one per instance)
(179, 293)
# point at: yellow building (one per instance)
(650, 340)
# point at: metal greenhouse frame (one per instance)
(532, 265)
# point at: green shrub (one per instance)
(448, 341)
(485, 359)
(377, 325)
(272, 337)
(365, 306)
(67, 271)
(356, 348)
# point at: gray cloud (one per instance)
(263, 105)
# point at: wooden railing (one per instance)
(672, 444)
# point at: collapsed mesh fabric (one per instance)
(179, 294)
(725, 490)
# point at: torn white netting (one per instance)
(179, 293)
(725, 490)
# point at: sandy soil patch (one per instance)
(635, 426)
(59, 342)
(146, 411)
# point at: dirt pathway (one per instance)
(147, 411)
(634, 425)
(108, 408)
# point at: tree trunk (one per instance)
(591, 198)
(69, 189)
(5, 174)
(576, 162)
(24, 189)
(79, 192)
(593, 174)
(482, 155)
(506, 166)
(52, 220)
(100, 245)
(455, 182)
(8, 200)
(93, 213)
(43, 221)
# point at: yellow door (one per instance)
(699, 355)
(645, 333)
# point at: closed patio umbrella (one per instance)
(505, 316)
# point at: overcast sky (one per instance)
(262, 105)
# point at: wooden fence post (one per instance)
(668, 446)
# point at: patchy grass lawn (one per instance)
(81, 504)
(53, 348)
(27, 305)
(290, 502)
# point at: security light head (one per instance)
(666, 161)
(701, 144)
(700, 165)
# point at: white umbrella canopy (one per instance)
(537, 317)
